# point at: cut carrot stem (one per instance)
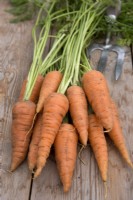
(65, 153)
(96, 90)
(99, 146)
(117, 137)
(50, 84)
(23, 113)
(55, 109)
(78, 110)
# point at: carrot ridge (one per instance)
(65, 153)
(55, 109)
(33, 148)
(98, 143)
(50, 84)
(97, 92)
(23, 113)
(79, 111)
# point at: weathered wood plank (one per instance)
(87, 183)
(15, 58)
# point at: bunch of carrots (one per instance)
(40, 117)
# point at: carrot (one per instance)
(65, 153)
(23, 113)
(50, 84)
(117, 137)
(98, 143)
(78, 110)
(96, 89)
(55, 108)
(22, 91)
(33, 149)
(36, 89)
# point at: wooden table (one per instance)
(16, 48)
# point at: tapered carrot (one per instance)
(78, 110)
(98, 143)
(96, 90)
(23, 113)
(117, 137)
(33, 149)
(55, 108)
(65, 153)
(50, 84)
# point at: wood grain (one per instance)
(15, 58)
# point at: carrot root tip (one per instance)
(37, 172)
(130, 164)
(66, 187)
(14, 165)
(31, 167)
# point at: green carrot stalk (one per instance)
(41, 65)
(85, 22)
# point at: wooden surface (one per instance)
(15, 57)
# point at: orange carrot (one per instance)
(98, 144)
(36, 89)
(66, 153)
(33, 149)
(96, 89)
(117, 137)
(21, 95)
(50, 84)
(23, 113)
(55, 108)
(78, 110)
